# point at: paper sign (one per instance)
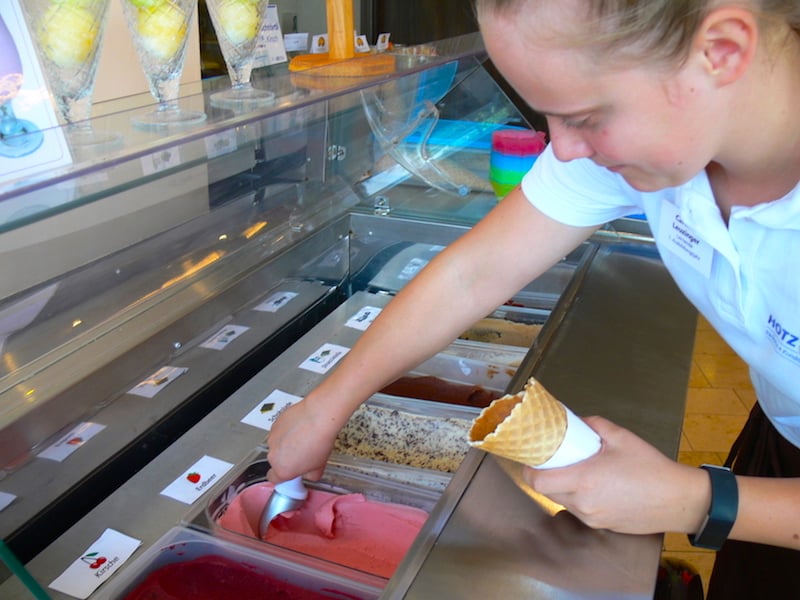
(194, 482)
(295, 42)
(413, 267)
(319, 44)
(269, 47)
(221, 143)
(361, 43)
(29, 109)
(275, 302)
(161, 161)
(157, 381)
(324, 359)
(363, 318)
(383, 42)
(266, 411)
(6, 499)
(223, 337)
(96, 564)
(71, 441)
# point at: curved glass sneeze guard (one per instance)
(95, 172)
(107, 251)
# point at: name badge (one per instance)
(683, 242)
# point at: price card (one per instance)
(223, 337)
(157, 381)
(221, 143)
(6, 499)
(270, 48)
(198, 478)
(383, 42)
(70, 442)
(363, 318)
(325, 358)
(276, 301)
(161, 161)
(266, 411)
(96, 564)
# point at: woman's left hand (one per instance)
(629, 486)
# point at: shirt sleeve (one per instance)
(578, 193)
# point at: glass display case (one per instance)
(129, 258)
(146, 284)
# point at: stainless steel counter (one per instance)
(622, 349)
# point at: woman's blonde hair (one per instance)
(661, 30)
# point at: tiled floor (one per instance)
(718, 401)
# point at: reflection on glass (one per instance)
(160, 30)
(238, 24)
(68, 35)
(18, 137)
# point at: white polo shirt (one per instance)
(743, 277)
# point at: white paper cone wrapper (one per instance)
(580, 442)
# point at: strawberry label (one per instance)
(197, 479)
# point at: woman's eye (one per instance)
(583, 123)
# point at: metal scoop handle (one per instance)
(287, 496)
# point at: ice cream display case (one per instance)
(165, 296)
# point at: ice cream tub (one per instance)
(409, 432)
(349, 521)
(187, 563)
(452, 379)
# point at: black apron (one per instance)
(744, 570)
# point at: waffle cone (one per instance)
(527, 427)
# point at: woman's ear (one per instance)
(727, 38)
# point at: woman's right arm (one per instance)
(511, 246)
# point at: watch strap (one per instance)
(722, 512)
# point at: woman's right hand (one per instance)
(300, 441)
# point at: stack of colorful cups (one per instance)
(513, 153)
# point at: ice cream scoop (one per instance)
(287, 496)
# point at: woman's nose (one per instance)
(568, 143)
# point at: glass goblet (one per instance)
(160, 30)
(238, 25)
(68, 35)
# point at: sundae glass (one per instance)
(238, 24)
(160, 29)
(68, 34)
(18, 137)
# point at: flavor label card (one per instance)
(324, 359)
(265, 413)
(363, 318)
(157, 381)
(413, 267)
(383, 42)
(223, 337)
(319, 44)
(70, 442)
(197, 479)
(6, 499)
(100, 560)
(275, 302)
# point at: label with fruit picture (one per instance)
(275, 302)
(197, 479)
(325, 358)
(71, 441)
(223, 337)
(363, 318)
(96, 564)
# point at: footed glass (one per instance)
(68, 35)
(238, 25)
(160, 30)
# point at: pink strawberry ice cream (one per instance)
(346, 529)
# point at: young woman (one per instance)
(685, 110)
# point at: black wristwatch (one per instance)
(722, 512)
